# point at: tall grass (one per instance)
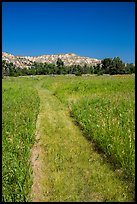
(20, 104)
(104, 106)
(109, 121)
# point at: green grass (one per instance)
(20, 104)
(71, 169)
(109, 121)
(104, 107)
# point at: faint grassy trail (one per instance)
(65, 165)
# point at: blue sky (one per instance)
(92, 29)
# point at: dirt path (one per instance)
(65, 165)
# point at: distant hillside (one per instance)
(68, 59)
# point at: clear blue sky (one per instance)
(91, 29)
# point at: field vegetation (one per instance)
(102, 107)
(20, 106)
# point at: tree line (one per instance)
(107, 66)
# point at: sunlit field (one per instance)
(20, 105)
(103, 107)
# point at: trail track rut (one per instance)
(65, 165)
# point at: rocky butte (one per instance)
(68, 59)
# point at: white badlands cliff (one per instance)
(68, 59)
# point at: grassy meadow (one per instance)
(20, 106)
(103, 107)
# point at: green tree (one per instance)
(107, 65)
(98, 69)
(91, 69)
(51, 68)
(59, 62)
(12, 69)
(118, 66)
(130, 68)
(4, 69)
(78, 70)
(85, 69)
(113, 66)
(60, 66)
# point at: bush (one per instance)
(78, 74)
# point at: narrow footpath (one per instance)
(65, 165)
